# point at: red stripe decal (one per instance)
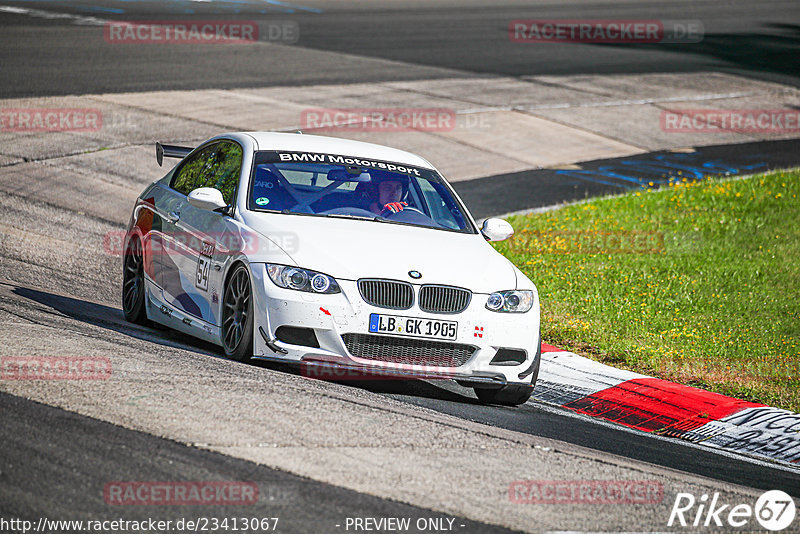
(655, 405)
(550, 348)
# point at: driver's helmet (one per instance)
(371, 189)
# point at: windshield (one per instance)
(343, 186)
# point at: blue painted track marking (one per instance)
(659, 169)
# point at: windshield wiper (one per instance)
(345, 216)
(334, 215)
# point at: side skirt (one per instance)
(162, 313)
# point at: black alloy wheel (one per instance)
(237, 316)
(133, 283)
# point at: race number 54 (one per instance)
(203, 265)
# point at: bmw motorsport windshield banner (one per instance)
(332, 159)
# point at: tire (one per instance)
(133, 283)
(237, 315)
(511, 395)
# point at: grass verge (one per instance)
(697, 283)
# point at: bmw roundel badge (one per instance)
(416, 275)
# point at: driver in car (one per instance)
(388, 195)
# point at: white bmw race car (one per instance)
(332, 254)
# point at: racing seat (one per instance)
(268, 186)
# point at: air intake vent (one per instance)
(294, 335)
(507, 356)
(443, 299)
(408, 351)
(390, 294)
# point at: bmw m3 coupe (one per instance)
(329, 252)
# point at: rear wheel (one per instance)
(237, 316)
(133, 283)
(511, 395)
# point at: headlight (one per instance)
(511, 301)
(301, 279)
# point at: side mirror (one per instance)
(207, 198)
(496, 230)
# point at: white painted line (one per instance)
(641, 101)
(49, 15)
(612, 103)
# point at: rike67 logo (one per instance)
(774, 510)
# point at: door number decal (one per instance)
(203, 264)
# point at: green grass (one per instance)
(697, 283)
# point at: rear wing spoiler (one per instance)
(170, 151)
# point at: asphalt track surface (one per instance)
(83, 462)
(339, 42)
(539, 188)
(56, 464)
(54, 461)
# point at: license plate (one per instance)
(410, 326)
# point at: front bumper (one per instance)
(345, 316)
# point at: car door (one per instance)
(209, 238)
(177, 247)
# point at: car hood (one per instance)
(353, 249)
